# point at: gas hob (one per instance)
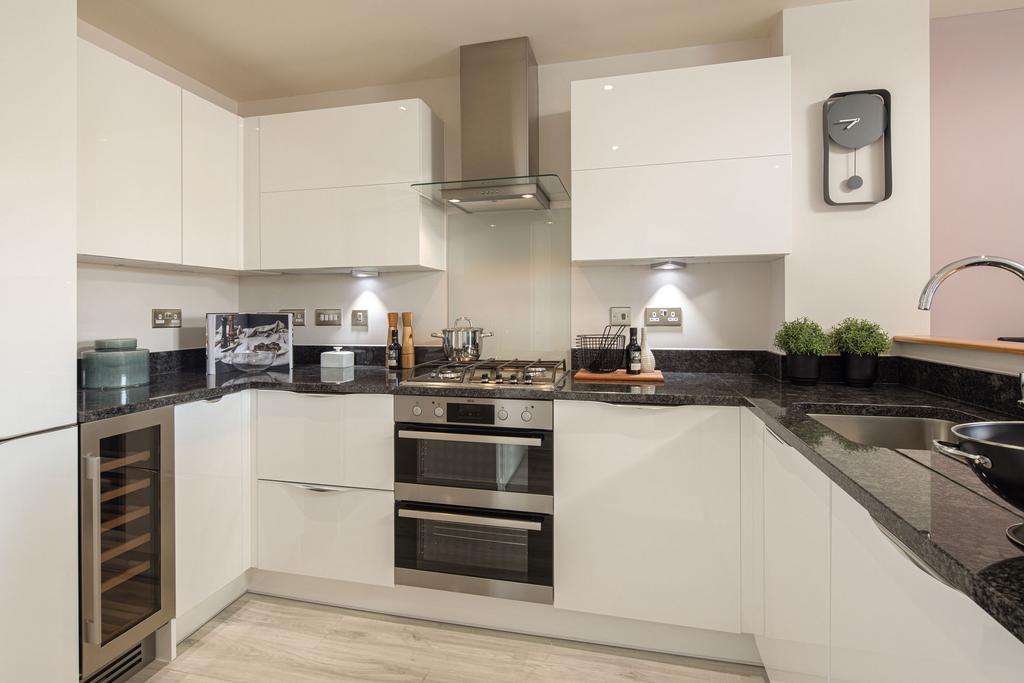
(491, 373)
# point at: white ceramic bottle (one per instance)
(646, 355)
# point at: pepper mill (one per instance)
(408, 350)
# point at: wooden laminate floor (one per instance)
(260, 638)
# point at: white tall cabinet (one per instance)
(688, 162)
(647, 512)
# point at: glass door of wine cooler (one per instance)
(127, 532)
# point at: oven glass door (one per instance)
(489, 544)
(509, 460)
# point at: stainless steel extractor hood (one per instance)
(500, 150)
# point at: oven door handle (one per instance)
(501, 523)
(469, 438)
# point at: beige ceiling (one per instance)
(259, 49)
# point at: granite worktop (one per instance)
(934, 505)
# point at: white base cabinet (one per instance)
(211, 520)
(39, 572)
(795, 643)
(343, 440)
(328, 532)
(647, 513)
(891, 622)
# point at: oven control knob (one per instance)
(502, 414)
(417, 411)
(439, 412)
(526, 416)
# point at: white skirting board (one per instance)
(187, 624)
(508, 615)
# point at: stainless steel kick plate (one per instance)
(330, 317)
(663, 317)
(166, 317)
(298, 316)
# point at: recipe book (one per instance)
(230, 334)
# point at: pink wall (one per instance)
(977, 193)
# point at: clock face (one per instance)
(856, 120)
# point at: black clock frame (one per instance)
(886, 142)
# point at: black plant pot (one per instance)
(860, 371)
(803, 368)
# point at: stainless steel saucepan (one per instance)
(462, 342)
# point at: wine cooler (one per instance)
(127, 533)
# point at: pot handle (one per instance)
(486, 334)
(951, 449)
(437, 335)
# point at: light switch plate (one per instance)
(620, 315)
(663, 317)
(360, 318)
(330, 317)
(298, 316)
(166, 317)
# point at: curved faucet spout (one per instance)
(928, 293)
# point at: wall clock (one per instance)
(857, 147)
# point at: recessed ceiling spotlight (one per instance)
(609, 86)
(551, 222)
(526, 196)
(365, 273)
(454, 201)
(493, 225)
(615, 148)
(668, 265)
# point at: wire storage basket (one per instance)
(602, 352)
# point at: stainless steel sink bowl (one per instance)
(883, 431)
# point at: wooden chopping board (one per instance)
(618, 376)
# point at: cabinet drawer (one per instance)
(333, 533)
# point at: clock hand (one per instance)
(850, 122)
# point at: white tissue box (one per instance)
(337, 358)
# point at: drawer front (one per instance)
(327, 532)
(300, 437)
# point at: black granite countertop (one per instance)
(934, 505)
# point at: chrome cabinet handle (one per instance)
(319, 489)
(469, 519)
(912, 556)
(950, 449)
(91, 612)
(470, 438)
(777, 437)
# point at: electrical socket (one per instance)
(360, 318)
(663, 317)
(298, 316)
(620, 315)
(166, 317)
(330, 317)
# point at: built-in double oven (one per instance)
(473, 489)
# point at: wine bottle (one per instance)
(632, 354)
(394, 352)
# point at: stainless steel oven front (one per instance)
(474, 483)
(127, 532)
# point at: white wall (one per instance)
(423, 294)
(862, 261)
(116, 301)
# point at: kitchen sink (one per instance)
(908, 433)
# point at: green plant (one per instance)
(859, 337)
(802, 337)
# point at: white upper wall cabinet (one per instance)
(334, 188)
(211, 179)
(129, 160)
(688, 162)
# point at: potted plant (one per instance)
(804, 343)
(859, 342)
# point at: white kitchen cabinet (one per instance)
(692, 162)
(893, 622)
(752, 433)
(327, 532)
(211, 179)
(209, 501)
(129, 160)
(647, 512)
(795, 643)
(350, 227)
(367, 144)
(39, 574)
(341, 440)
(335, 188)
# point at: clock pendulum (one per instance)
(854, 182)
